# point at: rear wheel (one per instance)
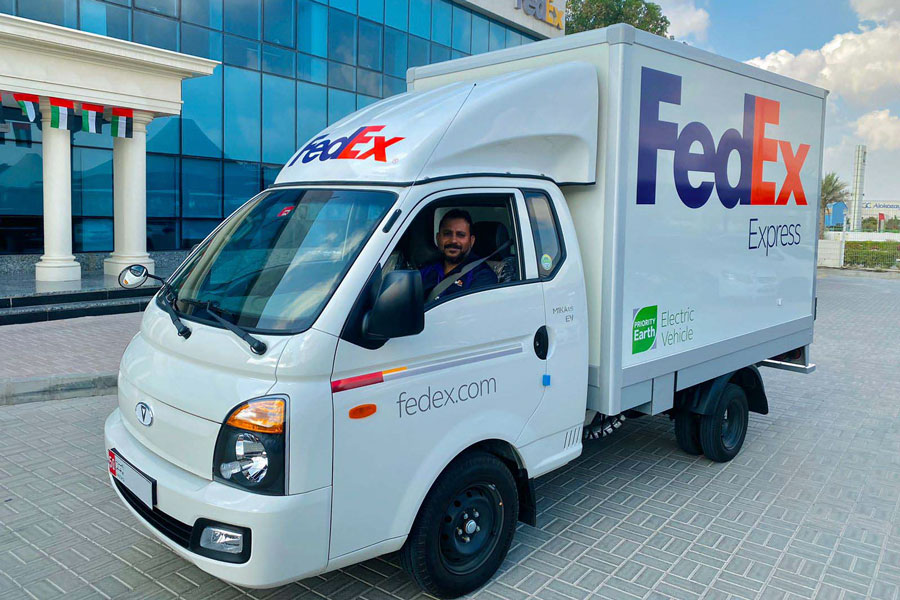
(464, 528)
(687, 432)
(723, 431)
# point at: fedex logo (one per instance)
(359, 145)
(751, 144)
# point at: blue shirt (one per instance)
(480, 276)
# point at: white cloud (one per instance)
(862, 67)
(880, 11)
(686, 20)
(880, 130)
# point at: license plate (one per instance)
(136, 482)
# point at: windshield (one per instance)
(274, 263)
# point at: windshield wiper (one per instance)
(256, 346)
(170, 296)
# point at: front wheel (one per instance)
(464, 528)
(722, 432)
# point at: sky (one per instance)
(850, 47)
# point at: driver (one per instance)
(454, 239)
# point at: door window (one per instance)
(472, 241)
(548, 247)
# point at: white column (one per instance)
(130, 199)
(57, 263)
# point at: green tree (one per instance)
(869, 224)
(584, 15)
(892, 224)
(833, 190)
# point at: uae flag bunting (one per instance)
(29, 105)
(62, 113)
(122, 123)
(91, 118)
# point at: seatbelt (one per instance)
(448, 281)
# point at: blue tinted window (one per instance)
(340, 104)
(481, 34)
(163, 7)
(162, 134)
(462, 29)
(203, 12)
(104, 19)
(162, 234)
(370, 45)
(201, 115)
(155, 31)
(242, 114)
(497, 37)
(242, 18)
(201, 42)
(269, 175)
(392, 86)
(278, 22)
(92, 235)
(394, 52)
(24, 193)
(419, 51)
(312, 28)
(241, 182)
(372, 9)
(279, 61)
(278, 114)
(420, 18)
(310, 68)
(513, 38)
(201, 188)
(241, 52)
(345, 5)
(83, 138)
(457, 54)
(8, 7)
(341, 37)
(441, 18)
(439, 53)
(58, 12)
(92, 182)
(395, 13)
(368, 83)
(162, 186)
(312, 111)
(194, 231)
(341, 76)
(364, 101)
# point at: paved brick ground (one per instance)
(809, 509)
(84, 346)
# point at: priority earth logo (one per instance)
(643, 329)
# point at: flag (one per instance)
(91, 118)
(29, 105)
(62, 113)
(122, 123)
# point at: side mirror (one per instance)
(399, 307)
(133, 277)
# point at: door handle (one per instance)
(541, 342)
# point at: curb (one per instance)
(55, 387)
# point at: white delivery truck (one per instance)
(443, 291)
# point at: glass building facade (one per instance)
(289, 68)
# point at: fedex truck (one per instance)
(445, 292)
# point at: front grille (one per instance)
(173, 529)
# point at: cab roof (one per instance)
(539, 122)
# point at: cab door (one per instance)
(471, 375)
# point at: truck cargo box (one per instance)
(697, 224)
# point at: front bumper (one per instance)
(289, 534)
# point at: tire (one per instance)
(722, 432)
(687, 432)
(478, 491)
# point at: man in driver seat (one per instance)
(455, 240)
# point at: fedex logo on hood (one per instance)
(359, 145)
(751, 144)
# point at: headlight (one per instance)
(250, 450)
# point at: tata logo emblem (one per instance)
(542, 10)
(144, 414)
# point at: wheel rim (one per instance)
(470, 528)
(732, 425)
